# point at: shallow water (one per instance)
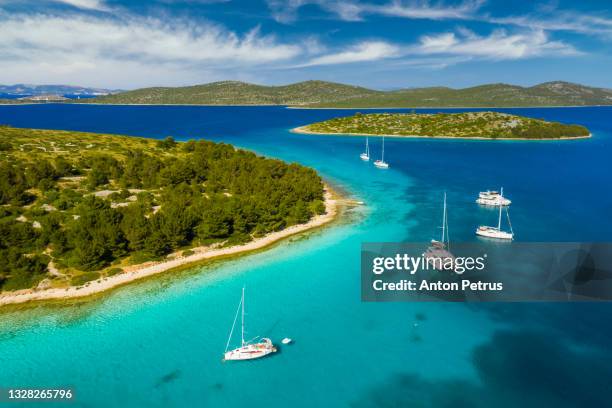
(160, 343)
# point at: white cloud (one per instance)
(499, 45)
(61, 46)
(85, 4)
(353, 10)
(365, 51)
(285, 11)
(433, 63)
(81, 4)
(425, 10)
(547, 17)
(450, 48)
(561, 21)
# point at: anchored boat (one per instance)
(365, 156)
(247, 350)
(381, 164)
(496, 232)
(438, 254)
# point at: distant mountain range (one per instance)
(322, 94)
(241, 93)
(24, 90)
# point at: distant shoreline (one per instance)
(132, 104)
(452, 107)
(137, 272)
(301, 130)
(307, 107)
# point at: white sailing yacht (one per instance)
(381, 164)
(496, 232)
(247, 350)
(438, 254)
(366, 155)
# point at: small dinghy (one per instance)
(286, 340)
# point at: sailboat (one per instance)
(438, 254)
(381, 164)
(247, 350)
(496, 232)
(366, 155)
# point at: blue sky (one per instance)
(384, 44)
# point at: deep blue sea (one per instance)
(159, 343)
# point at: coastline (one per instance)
(147, 269)
(302, 131)
(442, 107)
(308, 107)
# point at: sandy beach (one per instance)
(136, 272)
(304, 131)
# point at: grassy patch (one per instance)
(83, 278)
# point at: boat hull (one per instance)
(364, 157)
(489, 232)
(381, 164)
(494, 202)
(250, 351)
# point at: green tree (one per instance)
(135, 226)
(13, 185)
(167, 143)
(96, 235)
(96, 177)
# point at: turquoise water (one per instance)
(159, 343)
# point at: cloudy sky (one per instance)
(383, 44)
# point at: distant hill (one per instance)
(334, 95)
(494, 95)
(24, 90)
(241, 93)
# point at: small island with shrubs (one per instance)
(468, 125)
(78, 208)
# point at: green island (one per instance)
(322, 94)
(481, 125)
(77, 207)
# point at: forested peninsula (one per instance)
(80, 207)
(468, 125)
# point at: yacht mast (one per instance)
(383, 149)
(367, 147)
(501, 196)
(444, 219)
(243, 315)
(229, 339)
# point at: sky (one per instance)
(381, 44)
